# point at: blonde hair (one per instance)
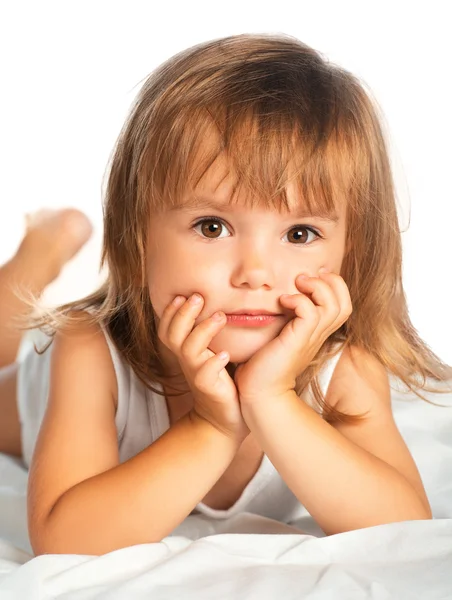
(274, 104)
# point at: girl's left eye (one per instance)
(215, 224)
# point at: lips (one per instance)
(254, 312)
(244, 320)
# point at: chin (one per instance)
(239, 350)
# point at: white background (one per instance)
(70, 69)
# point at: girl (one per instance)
(207, 374)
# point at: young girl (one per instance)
(207, 375)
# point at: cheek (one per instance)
(160, 275)
(171, 275)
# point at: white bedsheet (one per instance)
(253, 557)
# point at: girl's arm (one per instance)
(80, 500)
(348, 476)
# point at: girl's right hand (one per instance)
(215, 394)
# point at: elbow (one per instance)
(40, 547)
(428, 511)
(425, 514)
(420, 514)
(424, 510)
(416, 506)
(54, 538)
(39, 551)
(36, 535)
(42, 543)
(417, 510)
(53, 545)
(47, 536)
(41, 531)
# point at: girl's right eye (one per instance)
(213, 227)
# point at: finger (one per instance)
(298, 331)
(195, 345)
(341, 291)
(331, 294)
(183, 321)
(208, 374)
(322, 294)
(168, 313)
(302, 306)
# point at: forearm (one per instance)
(343, 486)
(143, 499)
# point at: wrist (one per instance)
(260, 406)
(206, 427)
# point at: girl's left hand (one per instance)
(322, 307)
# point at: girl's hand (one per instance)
(215, 395)
(322, 307)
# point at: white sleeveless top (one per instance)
(142, 417)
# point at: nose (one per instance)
(255, 267)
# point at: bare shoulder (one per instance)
(83, 349)
(357, 374)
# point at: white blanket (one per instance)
(252, 557)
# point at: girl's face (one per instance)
(237, 258)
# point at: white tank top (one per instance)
(142, 417)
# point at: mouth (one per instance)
(259, 312)
(250, 320)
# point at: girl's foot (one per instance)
(51, 239)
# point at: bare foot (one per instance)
(51, 239)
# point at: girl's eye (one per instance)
(211, 226)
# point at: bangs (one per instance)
(262, 154)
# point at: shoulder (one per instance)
(358, 377)
(81, 351)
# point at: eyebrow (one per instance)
(193, 204)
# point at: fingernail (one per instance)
(196, 299)
(324, 270)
